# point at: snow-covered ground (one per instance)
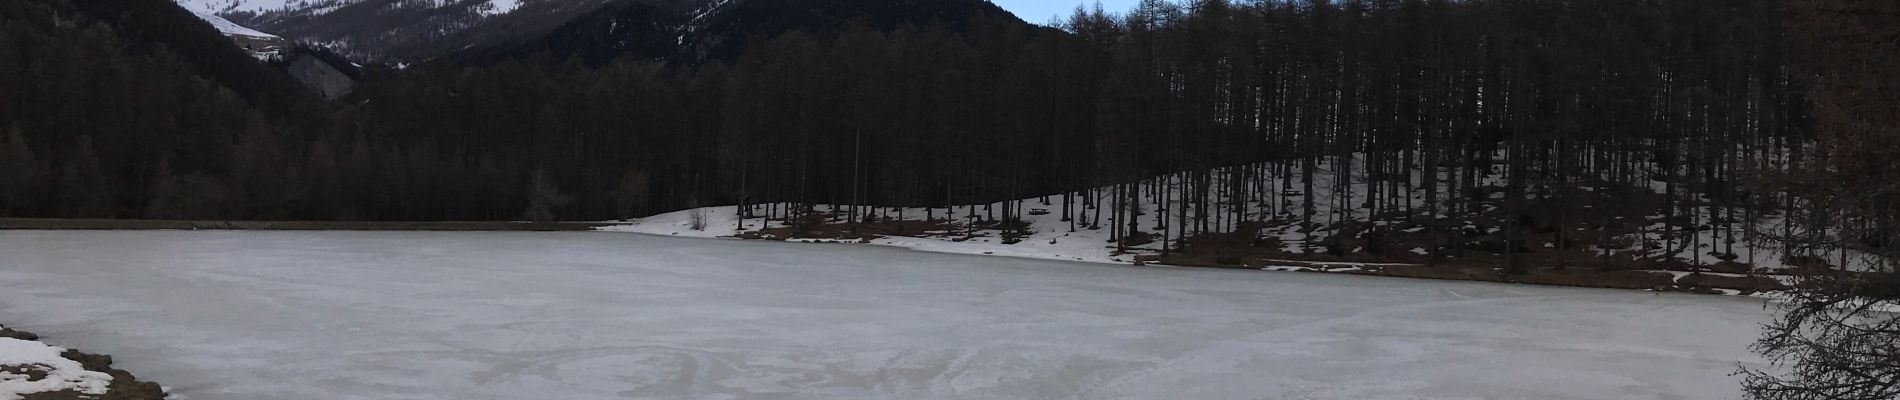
(230, 28)
(1050, 237)
(1049, 242)
(499, 7)
(408, 315)
(259, 6)
(1339, 194)
(28, 367)
(1053, 238)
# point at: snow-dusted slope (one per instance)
(230, 28)
(263, 46)
(395, 30)
(498, 7)
(247, 6)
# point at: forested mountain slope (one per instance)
(400, 30)
(152, 28)
(1534, 115)
(118, 108)
(724, 30)
(409, 31)
(721, 30)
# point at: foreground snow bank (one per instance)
(28, 367)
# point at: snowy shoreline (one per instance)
(722, 223)
(29, 367)
(947, 247)
(1086, 245)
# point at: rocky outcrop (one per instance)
(321, 77)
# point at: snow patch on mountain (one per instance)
(237, 6)
(700, 15)
(228, 27)
(498, 7)
(327, 7)
(304, 7)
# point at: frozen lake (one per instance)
(558, 316)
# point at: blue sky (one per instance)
(1039, 11)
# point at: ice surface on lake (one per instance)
(296, 315)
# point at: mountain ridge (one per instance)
(410, 31)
